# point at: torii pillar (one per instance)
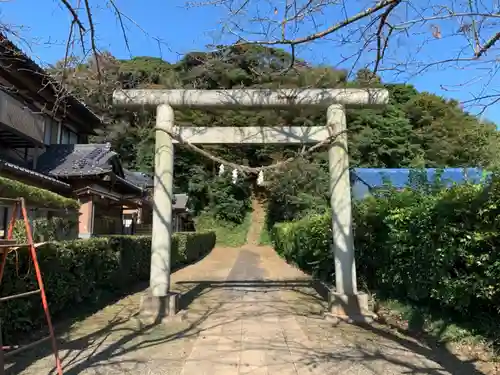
(345, 300)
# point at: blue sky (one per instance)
(45, 25)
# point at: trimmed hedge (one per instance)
(85, 271)
(438, 248)
(305, 243)
(43, 229)
(35, 196)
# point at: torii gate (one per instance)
(345, 301)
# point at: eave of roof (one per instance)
(96, 190)
(36, 175)
(141, 179)
(37, 73)
(111, 195)
(128, 183)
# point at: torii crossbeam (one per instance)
(345, 301)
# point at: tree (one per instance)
(401, 39)
(415, 129)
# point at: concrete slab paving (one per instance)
(248, 312)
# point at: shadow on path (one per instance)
(296, 336)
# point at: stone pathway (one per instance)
(248, 313)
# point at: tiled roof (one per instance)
(138, 178)
(76, 160)
(80, 160)
(21, 167)
(16, 168)
(86, 160)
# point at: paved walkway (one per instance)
(248, 313)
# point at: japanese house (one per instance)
(44, 134)
(140, 220)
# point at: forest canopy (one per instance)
(416, 129)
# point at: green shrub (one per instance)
(35, 196)
(438, 248)
(53, 229)
(228, 201)
(218, 196)
(306, 244)
(191, 246)
(85, 271)
(297, 191)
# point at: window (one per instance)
(54, 132)
(64, 135)
(47, 131)
(73, 138)
(51, 131)
(68, 136)
(82, 139)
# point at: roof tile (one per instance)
(76, 160)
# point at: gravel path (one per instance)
(248, 312)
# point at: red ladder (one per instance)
(6, 246)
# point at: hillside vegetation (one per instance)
(416, 129)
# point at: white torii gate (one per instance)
(345, 301)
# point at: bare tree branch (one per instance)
(324, 33)
(382, 46)
(93, 37)
(73, 12)
(490, 43)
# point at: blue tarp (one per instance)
(365, 179)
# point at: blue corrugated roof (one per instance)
(368, 178)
